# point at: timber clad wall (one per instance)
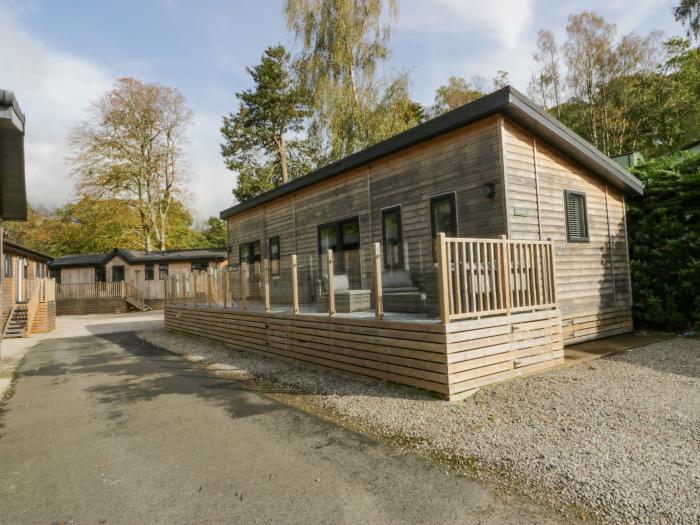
(593, 279)
(451, 360)
(461, 161)
(45, 318)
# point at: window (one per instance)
(100, 274)
(576, 216)
(274, 255)
(40, 270)
(162, 271)
(117, 273)
(443, 215)
(25, 268)
(249, 252)
(200, 266)
(8, 265)
(148, 272)
(339, 236)
(56, 274)
(392, 238)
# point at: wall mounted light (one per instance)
(490, 190)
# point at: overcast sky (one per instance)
(58, 56)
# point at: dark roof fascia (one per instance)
(169, 256)
(27, 251)
(506, 100)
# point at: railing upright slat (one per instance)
(472, 286)
(465, 281)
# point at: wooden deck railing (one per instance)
(490, 276)
(89, 290)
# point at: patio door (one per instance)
(117, 273)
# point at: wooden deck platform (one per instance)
(452, 360)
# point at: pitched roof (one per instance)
(26, 251)
(140, 256)
(13, 194)
(508, 101)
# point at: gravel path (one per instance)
(618, 437)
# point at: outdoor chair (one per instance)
(400, 295)
(346, 300)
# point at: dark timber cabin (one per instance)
(463, 251)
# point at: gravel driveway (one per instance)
(617, 438)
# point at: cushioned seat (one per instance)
(399, 294)
(346, 300)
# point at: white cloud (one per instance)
(502, 21)
(52, 88)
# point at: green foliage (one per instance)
(688, 12)
(344, 44)
(213, 234)
(455, 93)
(664, 239)
(256, 145)
(100, 225)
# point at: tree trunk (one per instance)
(283, 159)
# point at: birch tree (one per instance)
(131, 148)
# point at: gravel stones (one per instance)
(618, 437)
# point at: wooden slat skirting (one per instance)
(578, 327)
(423, 355)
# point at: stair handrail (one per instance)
(33, 304)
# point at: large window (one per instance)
(576, 216)
(162, 271)
(274, 255)
(339, 236)
(443, 215)
(392, 238)
(100, 274)
(249, 252)
(7, 272)
(149, 272)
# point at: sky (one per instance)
(59, 56)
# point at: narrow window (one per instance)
(100, 274)
(274, 255)
(243, 253)
(327, 238)
(200, 266)
(576, 216)
(392, 238)
(8, 265)
(162, 271)
(443, 215)
(148, 273)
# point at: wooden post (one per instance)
(443, 280)
(553, 273)
(194, 287)
(295, 286)
(331, 291)
(208, 289)
(244, 285)
(224, 274)
(266, 284)
(378, 297)
(505, 273)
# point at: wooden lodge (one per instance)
(29, 303)
(469, 249)
(123, 280)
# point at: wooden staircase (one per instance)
(134, 297)
(17, 322)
